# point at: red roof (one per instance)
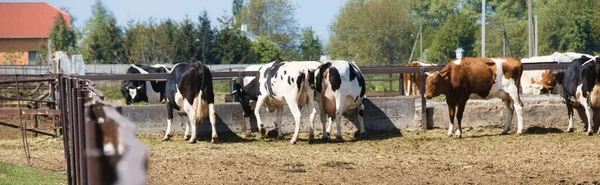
(28, 19)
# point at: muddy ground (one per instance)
(544, 156)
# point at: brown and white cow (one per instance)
(540, 81)
(485, 77)
(412, 81)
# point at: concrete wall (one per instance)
(381, 114)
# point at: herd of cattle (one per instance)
(330, 88)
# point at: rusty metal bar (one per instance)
(27, 129)
(24, 99)
(81, 127)
(51, 112)
(75, 130)
(28, 80)
(65, 127)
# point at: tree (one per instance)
(274, 20)
(62, 36)
(457, 32)
(310, 47)
(265, 51)
(236, 8)
(373, 32)
(231, 47)
(568, 26)
(186, 42)
(206, 40)
(103, 42)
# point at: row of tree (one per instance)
(365, 31)
(384, 31)
(169, 41)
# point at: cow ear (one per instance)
(533, 81)
(139, 87)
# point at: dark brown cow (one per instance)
(412, 81)
(486, 77)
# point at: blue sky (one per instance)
(316, 13)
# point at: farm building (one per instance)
(23, 28)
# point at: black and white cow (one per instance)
(580, 87)
(278, 84)
(189, 90)
(340, 87)
(144, 91)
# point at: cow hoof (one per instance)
(279, 137)
(590, 133)
(363, 135)
(325, 139)
(339, 139)
(166, 139)
(192, 141)
(186, 137)
(458, 136)
(293, 141)
(263, 132)
(311, 136)
(570, 130)
(504, 133)
(519, 133)
(214, 140)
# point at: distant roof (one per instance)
(28, 19)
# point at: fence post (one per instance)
(424, 123)
(401, 84)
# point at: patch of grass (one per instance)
(221, 86)
(13, 174)
(111, 92)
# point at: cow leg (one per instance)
(278, 122)
(324, 122)
(513, 92)
(509, 114)
(192, 123)
(340, 106)
(451, 112)
(569, 113)
(589, 112)
(297, 115)
(461, 109)
(259, 103)
(363, 132)
(213, 121)
(186, 134)
(169, 123)
(312, 106)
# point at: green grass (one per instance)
(111, 92)
(13, 174)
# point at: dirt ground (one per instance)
(544, 156)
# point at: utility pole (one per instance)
(535, 48)
(530, 18)
(421, 42)
(483, 28)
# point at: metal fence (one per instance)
(101, 68)
(100, 146)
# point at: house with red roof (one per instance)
(24, 26)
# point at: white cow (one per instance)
(340, 88)
(278, 84)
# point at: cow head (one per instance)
(246, 96)
(437, 83)
(131, 92)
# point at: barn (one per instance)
(24, 26)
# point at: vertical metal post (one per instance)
(423, 100)
(530, 19)
(535, 30)
(81, 126)
(483, 28)
(401, 84)
(65, 127)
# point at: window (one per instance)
(32, 56)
